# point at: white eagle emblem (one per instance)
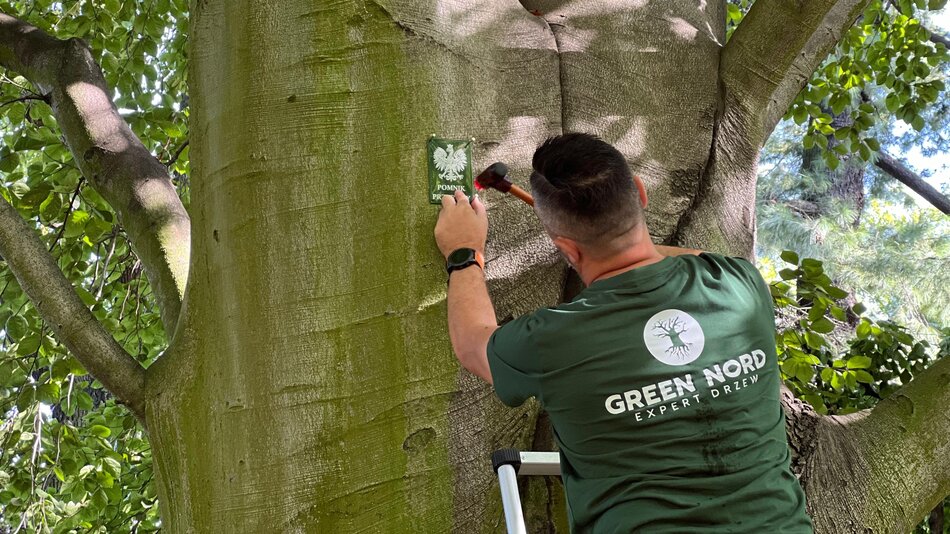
(450, 163)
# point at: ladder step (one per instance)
(540, 463)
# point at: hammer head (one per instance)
(494, 177)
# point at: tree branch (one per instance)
(60, 306)
(109, 155)
(776, 49)
(938, 39)
(903, 174)
(906, 438)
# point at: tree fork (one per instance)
(60, 306)
(109, 155)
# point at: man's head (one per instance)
(584, 192)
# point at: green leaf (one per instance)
(842, 133)
(891, 102)
(850, 379)
(863, 330)
(832, 161)
(864, 377)
(836, 293)
(812, 267)
(48, 393)
(804, 373)
(105, 479)
(100, 431)
(800, 114)
(29, 344)
(59, 473)
(36, 196)
(50, 208)
(838, 313)
(840, 102)
(814, 340)
(788, 274)
(76, 223)
(83, 400)
(836, 381)
(859, 362)
(790, 257)
(17, 327)
(823, 326)
(858, 308)
(9, 162)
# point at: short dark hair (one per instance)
(583, 189)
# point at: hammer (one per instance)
(496, 177)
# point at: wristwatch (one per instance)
(462, 258)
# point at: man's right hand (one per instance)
(461, 224)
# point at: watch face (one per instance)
(461, 256)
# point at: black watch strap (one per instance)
(462, 258)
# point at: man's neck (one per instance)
(641, 255)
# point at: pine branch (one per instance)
(60, 306)
(903, 174)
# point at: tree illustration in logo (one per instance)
(672, 328)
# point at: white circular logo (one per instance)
(674, 337)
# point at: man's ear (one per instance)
(642, 189)
(569, 248)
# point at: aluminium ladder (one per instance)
(508, 464)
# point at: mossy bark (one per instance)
(312, 386)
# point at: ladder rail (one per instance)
(508, 464)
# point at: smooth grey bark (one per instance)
(879, 470)
(59, 305)
(911, 179)
(109, 155)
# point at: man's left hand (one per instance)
(461, 224)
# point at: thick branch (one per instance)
(109, 155)
(938, 39)
(59, 305)
(906, 442)
(901, 173)
(777, 47)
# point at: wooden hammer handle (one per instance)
(522, 194)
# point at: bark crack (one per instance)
(704, 179)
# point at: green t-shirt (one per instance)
(662, 386)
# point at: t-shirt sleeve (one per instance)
(747, 272)
(513, 360)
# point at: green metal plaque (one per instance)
(450, 167)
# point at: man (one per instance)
(660, 378)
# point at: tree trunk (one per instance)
(314, 331)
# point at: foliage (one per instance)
(884, 52)
(897, 257)
(831, 354)
(71, 457)
(835, 357)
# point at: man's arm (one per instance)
(471, 320)
(471, 314)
